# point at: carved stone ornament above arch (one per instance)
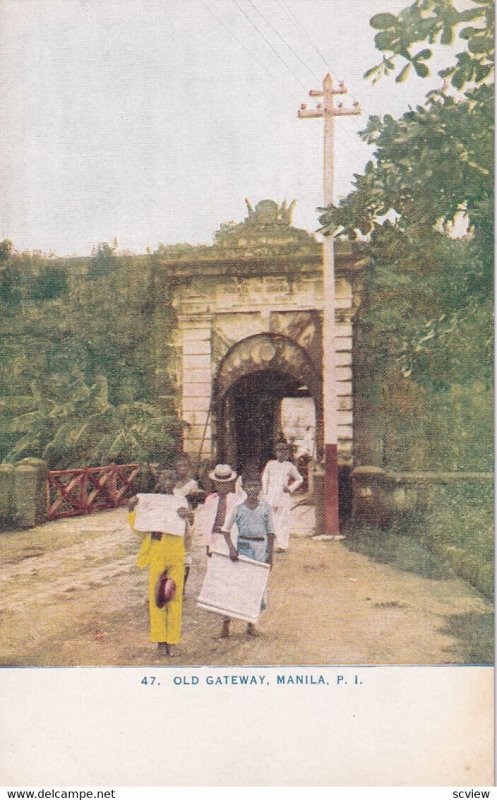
(267, 351)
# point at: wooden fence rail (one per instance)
(71, 492)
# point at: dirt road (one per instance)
(72, 595)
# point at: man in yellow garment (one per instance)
(162, 518)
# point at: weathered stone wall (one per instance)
(215, 313)
(196, 370)
(22, 493)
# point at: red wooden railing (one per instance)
(71, 492)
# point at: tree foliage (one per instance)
(65, 325)
(103, 261)
(76, 425)
(427, 314)
(436, 22)
(60, 318)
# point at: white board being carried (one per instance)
(234, 588)
(159, 512)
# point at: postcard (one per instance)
(246, 258)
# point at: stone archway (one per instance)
(252, 380)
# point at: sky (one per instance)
(151, 120)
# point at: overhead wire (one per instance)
(353, 142)
(247, 17)
(350, 139)
(343, 137)
(278, 34)
(291, 16)
(241, 44)
(300, 27)
(346, 138)
(296, 23)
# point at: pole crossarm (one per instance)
(309, 113)
(334, 111)
(346, 112)
(304, 113)
(342, 89)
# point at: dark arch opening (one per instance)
(251, 416)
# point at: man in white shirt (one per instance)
(218, 505)
(280, 479)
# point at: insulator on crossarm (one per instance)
(303, 106)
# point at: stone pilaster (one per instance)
(196, 383)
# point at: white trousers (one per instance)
(282, 521)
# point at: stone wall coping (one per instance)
(437, 477)
(368, 472)
(255, 266)
(419, 477)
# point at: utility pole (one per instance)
(329, 111)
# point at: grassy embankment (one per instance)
(455, 537)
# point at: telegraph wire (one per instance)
(262, 66)
(278, 34)
(241, 44)
(291, 16)
(350, 138)
(268, 43)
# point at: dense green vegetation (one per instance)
(461, 524)
(426, 325)
(80, 427)
(78, 382)
(74, 333)
(56, 322)
(455, 535)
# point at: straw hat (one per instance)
(222, 473)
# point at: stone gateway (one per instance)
(247, 360)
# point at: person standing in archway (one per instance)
(280, 479)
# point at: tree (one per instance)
(56, 320)
(103, 261)
(6, 248)
(10, 293)
(432, 22)
(427, 315)
(50, 283)
(77, 426)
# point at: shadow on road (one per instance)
(401, 552)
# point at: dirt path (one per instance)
(72, 595)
